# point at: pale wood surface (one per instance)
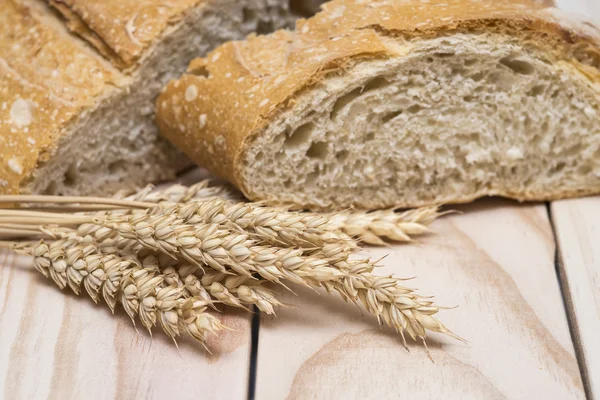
(496, 263)
(56, 345)
(577, 225)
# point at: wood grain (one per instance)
(577, 224)
(496, 263)
(56, 345)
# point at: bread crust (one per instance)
(46, 80)
(243, 86)
(122, 30)
(52, 82)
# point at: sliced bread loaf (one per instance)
(77, 91)
(387, 103)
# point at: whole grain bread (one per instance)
(383, 103)
(78, 81)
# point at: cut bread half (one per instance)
(382, 104)
(77, 91)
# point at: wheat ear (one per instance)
(378, 226)
(142, 292)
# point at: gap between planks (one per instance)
(577, 229)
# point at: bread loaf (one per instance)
(387, 103)
(77, 87)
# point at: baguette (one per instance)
(382, 104)
(77, 87)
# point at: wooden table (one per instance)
(525, 278)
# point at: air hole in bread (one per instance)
(116, 166)
(248, 15)
(370, 136)
(300, 137)
(518, 66)
(444, 55)
(342, 156)
(477, 77)
(51, 188)
(71, 176)
(312, 177)
(390, 116)
(414, 109)
(536, 90)
(344, 100)
(317, 150)
(558, 167)
(301, 8)
(376, 83)
(259, 156)
(456, 69)
(544, 127)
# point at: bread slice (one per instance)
(386, 103)
(77, 91)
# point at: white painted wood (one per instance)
(56, 345)
(496, 263)
(577, 225)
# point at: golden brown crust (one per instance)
(46, 79)
(122, 29)
(213, 112)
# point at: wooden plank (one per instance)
(577, 224)
(56, 345)
(496, 263)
